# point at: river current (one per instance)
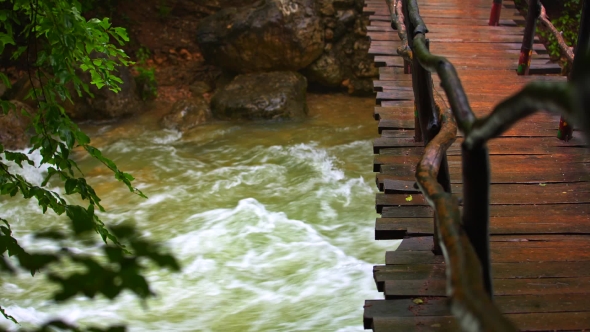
(272, 223)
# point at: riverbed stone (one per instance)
(14, 126)
(107, 104)
(270, 35)
(270, 95)
(326, 71)
(186, 114)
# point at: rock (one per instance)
(272, 35)
(186, 114)
(343, 3)
(326, 71)
(346, 17)
(326, 8)
(199, 87)
(14, 127)
(107, 104)
(329, 34)
(272, 95)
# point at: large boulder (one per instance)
(273, 95)
(106, 104)
(326, 70)
(270, 35)
(14, 126)
(186, 114)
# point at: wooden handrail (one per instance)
(565, 50)
(464, 240)
(537, 11)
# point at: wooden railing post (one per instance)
(565, 131)
(495, 13)
(426, 113)
(476, 213)
(418, 133)
(526, 50)
(583, 45)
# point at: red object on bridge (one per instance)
(495, 13)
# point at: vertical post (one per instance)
(476, 213)
(417, 128)
(583, 45)
(495, 13)
(426, 115)
(565, 130)
(526, 50)
(418, 134)
(407, 67)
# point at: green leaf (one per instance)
(82, 220)
(6, 39)
(7, 316)
(18, 158)
(70, 186)
(5, 80)
(82, 138)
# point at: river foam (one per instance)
(273, 225)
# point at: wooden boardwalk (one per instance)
(540, 191)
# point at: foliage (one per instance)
(163, 9)
(567, 21)
(146, 78)
(60, 42)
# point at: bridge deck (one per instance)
(540, 213)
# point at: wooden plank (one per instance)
(562, 321)
(509, 304)
(498, 255)
(424, 243)
(437, 287)
(502, 194)
(500, 145)
(527, 270)
(544, 211)
(400, 227)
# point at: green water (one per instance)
(273, 223)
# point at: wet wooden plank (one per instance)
(545, 211)
(498, 255)
(562, 321)
(437, 287)
(527, 270)
(502, 194)
(510, 304)
(399, 227)
(500, 145)
(424, 243)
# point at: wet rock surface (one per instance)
(269, 35)
(272, 95)
(106, 104)
(186, 114)
(14, 127)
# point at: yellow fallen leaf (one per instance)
(409, 198)
(418, 301)
(542, 184)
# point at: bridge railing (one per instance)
(536, 11)
(463, 239)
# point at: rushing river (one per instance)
(272, 222)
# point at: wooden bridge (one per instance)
(529, 268)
